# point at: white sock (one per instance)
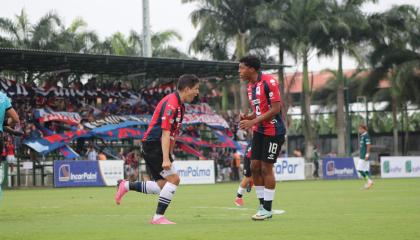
(148, 187)
(241, 190)
(269, 194)
(165, 197)
(152, 187)
(259, 190)
(168, 190)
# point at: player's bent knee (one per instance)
(174, 179)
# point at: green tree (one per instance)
(303, 22)
(20, 33)
(346, 27)
(76, 38)
(234, 20)
(396, 56)
(119, 44)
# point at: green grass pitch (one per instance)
(314, 210)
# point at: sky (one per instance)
(109, 16)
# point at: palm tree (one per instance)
(396, 56)
(20, 33)
(346, 25)
(211, 41)
(119, 44)
(303, 21)
(76, 38)
(161, 47)
(234, 20)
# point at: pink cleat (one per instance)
(121, 191)
(161, 220)
(239, 202)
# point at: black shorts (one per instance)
(153, 156)
(247, 167)
(266, 148)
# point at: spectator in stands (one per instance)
(33, 132)
(227, 162)
(101, 155)
(236, 164)
(220, 164)
(132, 164)
(297, 153)
(10, 151)
(91, 153)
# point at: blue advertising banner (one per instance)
(77, 174)
(338, 168)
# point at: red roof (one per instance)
(293, 81)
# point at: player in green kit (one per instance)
(363, 164)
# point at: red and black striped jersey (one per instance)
(261, 95)
(168, 115)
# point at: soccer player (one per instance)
(268, 130)
(246, 182)
(7, 111)
(158, 143)
(363, 164)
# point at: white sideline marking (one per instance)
(275, 211)
(278, 211)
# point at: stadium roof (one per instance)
(49, 61)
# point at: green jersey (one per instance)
(364, 141)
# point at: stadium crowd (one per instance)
(100, 101)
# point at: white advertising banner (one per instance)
(111, 171)
(400, 167)
(291, 168)
(195, 172)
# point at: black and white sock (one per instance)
(268, 198)
(259, 190)
(165, 198)
(240, 192)
(149, 187)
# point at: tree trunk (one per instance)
(281, 75)
(306, 109)
(240, 52)
(394, 125)
(406, 128)
(236, 97)
(224, 96)
(340, 122)
(285, 105)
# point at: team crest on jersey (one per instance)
(169, 112)
(258, 90)
(270, 94)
